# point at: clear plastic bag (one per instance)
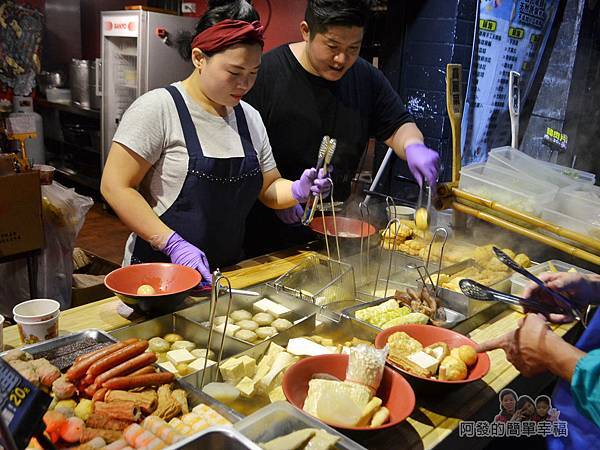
(63, 213)
(366, 364)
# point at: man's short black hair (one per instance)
(321, 14)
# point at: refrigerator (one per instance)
(138, 54)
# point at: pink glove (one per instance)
(423, 163)
(310, 183)
(291, 215)
(182, 252)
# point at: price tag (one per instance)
(22, 408)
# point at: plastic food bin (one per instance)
(515, 160)
(512, 189)
(58, 95)
(518, 281)
(281, 418)
(585, 227)
(579, 201)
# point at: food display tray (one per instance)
(62, 350)
(283, 418)
(452, 317)
(195, 396)
(216, 438)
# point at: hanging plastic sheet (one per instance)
(512, 35)
(21, 31)
(63, 212)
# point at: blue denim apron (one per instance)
(216, 197)
(582, 431)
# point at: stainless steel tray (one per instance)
(459, 302)
(216, 438)
(453, 318)
(62, 350)
(339, 331)
(199, 314)
(195, 396)
(189, 330)
(281, 418)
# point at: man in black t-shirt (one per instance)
(320, 86)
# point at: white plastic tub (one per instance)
(515, 160)
(579, 201)
(518, 281)
(510, 188)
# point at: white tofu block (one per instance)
(231, 328)
(249, 365)
(306, 347)
(198, 364)
(168, 366)
(247, 387)
(269, 306)
(424, 361)
(232, 370)
(180, 356)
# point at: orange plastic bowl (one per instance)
(394, 390)
(172, 283)
(347, 228)
(429, 334)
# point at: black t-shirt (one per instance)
(298, 109)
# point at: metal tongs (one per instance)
(326, 152)
(564, 302)
(477, 291)
(218, 277)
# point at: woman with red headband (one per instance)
(188, 161)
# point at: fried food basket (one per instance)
(318, 280)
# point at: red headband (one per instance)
(227, 33)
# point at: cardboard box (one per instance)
(21, 228)
(96, 266)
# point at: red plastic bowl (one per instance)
(429, 334)
(394, 391)
(172, 283)
(347, 228)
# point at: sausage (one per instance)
(99, 395)
(91, 390)
(96, 352)
(78, 370)
(143, 371)
(125, 367)
(116, 358)
(130, 382)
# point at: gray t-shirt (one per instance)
(151, 128)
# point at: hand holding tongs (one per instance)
(565, 304)
(477, 291)
(326, 151)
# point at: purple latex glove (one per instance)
(310, 183)
(322, 184)
(291, 215)
(423, 163)
(182, 252)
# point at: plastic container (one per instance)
(515, 160)
(579, 176)
(58, 95)
(585, 227)
(46, 173)
(518, 282)
(579, 201)
(510, 188)
(281, 418)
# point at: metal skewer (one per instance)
(392, 251)
(218, 277)
(363, 206)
